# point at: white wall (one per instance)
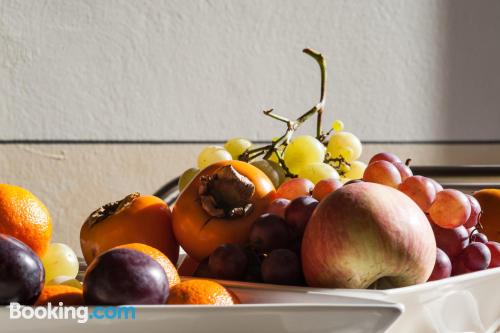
(203, 70)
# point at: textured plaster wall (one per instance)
(201, 70)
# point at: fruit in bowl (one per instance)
(219, 206)
(367, 233)
(137, 218)
(125, 276)
(21, 272)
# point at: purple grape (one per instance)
(228, 262)
(298, 212)
(451, 241)
(203, 270)
(479, 237)
(269, 232)
(21, 272)
(253, 272)
(442, 267)
(125, 276)
(476, 256)
(282, 266)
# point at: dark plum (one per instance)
(21, 272)
(125, 276)
(228, 262)
(269, 232)
(442, 267)
(282, 266)
(298, 212)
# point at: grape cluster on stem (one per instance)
(277, 145)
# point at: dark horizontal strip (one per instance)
(149, 142)
(457, 171)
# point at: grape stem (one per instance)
(279, 144)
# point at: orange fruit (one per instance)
(25, 217)
(199, 291)
(489, 199)
(168, 267)
(137, 218)
(60, 293)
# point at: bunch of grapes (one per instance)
(453, 215)
(273, 253)
(328, 154)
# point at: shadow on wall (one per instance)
(472, 78)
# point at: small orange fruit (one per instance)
(170, 270)
(60, 293)
(144, 219)
(25, 217)
(489, 199)
(199, 291)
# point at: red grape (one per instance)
(437, 186)
(253, 272)
(495, 254)
(228, 262)
(278, 207)
(450, 209)
(404, 170)
(382, 172)
(458, 266)
(479, 237)
(297, 214)
(419, 189)
(295, 188)
(269, 232)
(474, 213)
(282, 266)
(325, 187)
(389, 157)
(476, 256)
(451, 241)
(353, 181)
(442, 267)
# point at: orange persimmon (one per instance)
(219, 206)
(144, 219)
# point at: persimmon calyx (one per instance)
(226, 193)
(111, 208)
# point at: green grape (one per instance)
(60, 259)
(303, 150)
(65, 281)
(274, 157)
(237, 146)
(338, 125)
(356, 171)
(186, 177)
(344, 143)
(318, 171)
(344, 168)
(212, 154)
(272, 169)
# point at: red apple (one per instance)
(367, 233)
